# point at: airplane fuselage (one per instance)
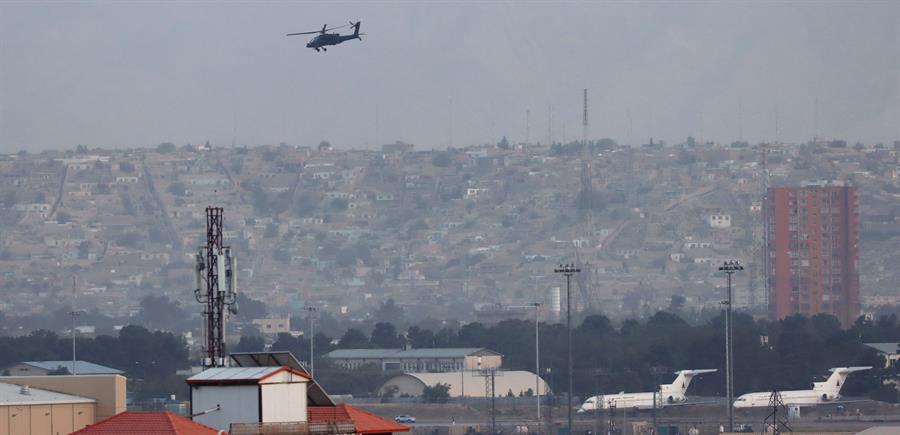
(794, 397)
(629, 401)
(327, 39)
(822, 392)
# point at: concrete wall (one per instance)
(55, 419)
(107, 390)
(239, 403)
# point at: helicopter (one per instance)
(323, 39)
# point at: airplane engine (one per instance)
(670, 399)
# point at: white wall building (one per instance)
(248, 395)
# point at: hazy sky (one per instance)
(121, 74)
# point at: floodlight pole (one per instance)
(729, 267)
(74, 314)
(568, 270)
(312, 341)
(537, 361)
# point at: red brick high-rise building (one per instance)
(814, 251)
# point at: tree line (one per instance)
(786, 354)
(148, 358)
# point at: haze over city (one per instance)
(126, 75)
(450, 218)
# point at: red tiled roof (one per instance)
(146, 423)
(366, 422)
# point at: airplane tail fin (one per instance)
(356, 29)
(680, 385)
(831, 388)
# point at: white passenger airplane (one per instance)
(669, 394)
(822, 392)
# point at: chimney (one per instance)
(24, 390)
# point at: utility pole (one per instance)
(550, 400)
(568, 270)
(490, 376)
(598, 407)
(657, 393)
(312, 341)
(74, 313)
(729, 267)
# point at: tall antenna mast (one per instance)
(550, 125)
(527, 126)
(816, 120)
(584, 121)
(220, 269)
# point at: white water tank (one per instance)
(555, 298)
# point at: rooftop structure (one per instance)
(147, 423)
(40, 368)
(107, 390)
(315, 394)
(25, 410)
(248, 395)
(21, 395)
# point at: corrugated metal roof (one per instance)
(81, 367)
(884, 347)
(459, 352)
(11, 394)
(234, 374)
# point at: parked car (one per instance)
(405, 419)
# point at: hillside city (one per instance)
(463, 234)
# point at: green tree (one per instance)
(165, 147)
(384, 336)
(353, 339)
(437, 393)
(503, 144)
(250, 344)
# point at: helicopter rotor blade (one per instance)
(324, 29)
